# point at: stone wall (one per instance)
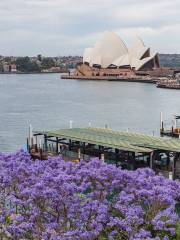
(85, 70)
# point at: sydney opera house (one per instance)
(111, 57)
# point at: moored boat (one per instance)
(171, 84)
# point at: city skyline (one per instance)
(66, 27)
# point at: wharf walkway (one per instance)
(112, 78)
(125, 149)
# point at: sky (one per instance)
(66, 27)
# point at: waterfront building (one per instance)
(125, 149)
(13, 68)
(6, 68)
(111, 57)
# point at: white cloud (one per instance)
(53, 27)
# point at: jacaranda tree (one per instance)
(58, 200)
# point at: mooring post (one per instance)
(99, 152)
(161, 124)
(84, 147)
(151, 160)
(102, 157)
(41, 153)
(70, 142)
(30, 135)
(168, 160)
(32, 142)
(116, 155)
(161, 121)
(102, 154)
(40, 144)
(134, 160)
(162, 127)
(45, 142)
(79, 153)
(57, 145)
(36, 146)
(174, 166)
(28, 149)
(175, 123)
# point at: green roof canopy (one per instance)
(126, 141)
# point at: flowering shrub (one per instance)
(60, 200)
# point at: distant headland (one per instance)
(40, 64)
(37, 64)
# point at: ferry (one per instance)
(171, 84)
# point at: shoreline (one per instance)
(103, 78)
(9, 73)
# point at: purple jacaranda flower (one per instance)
(55, 199)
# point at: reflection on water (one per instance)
(48, 102)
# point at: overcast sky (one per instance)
(63, 27)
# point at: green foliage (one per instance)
(178, 230)
(25, 65)
(39, 56)
(7, 220)
(178, 208)
(7, 59)
(47, 63)
(1, 67)
(170, 60)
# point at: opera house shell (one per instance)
(111, 52)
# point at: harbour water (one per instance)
(48, 102)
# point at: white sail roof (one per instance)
(106, 50)
(87, 55)
(138, 52)
(138, 49)
(138, 42)
(122, 61)
(111, 50)
(139, 64)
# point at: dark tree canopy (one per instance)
(47, 63)
(25, 65)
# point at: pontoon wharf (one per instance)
(125, 149)
(175, 129)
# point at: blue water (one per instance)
(48, 102)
